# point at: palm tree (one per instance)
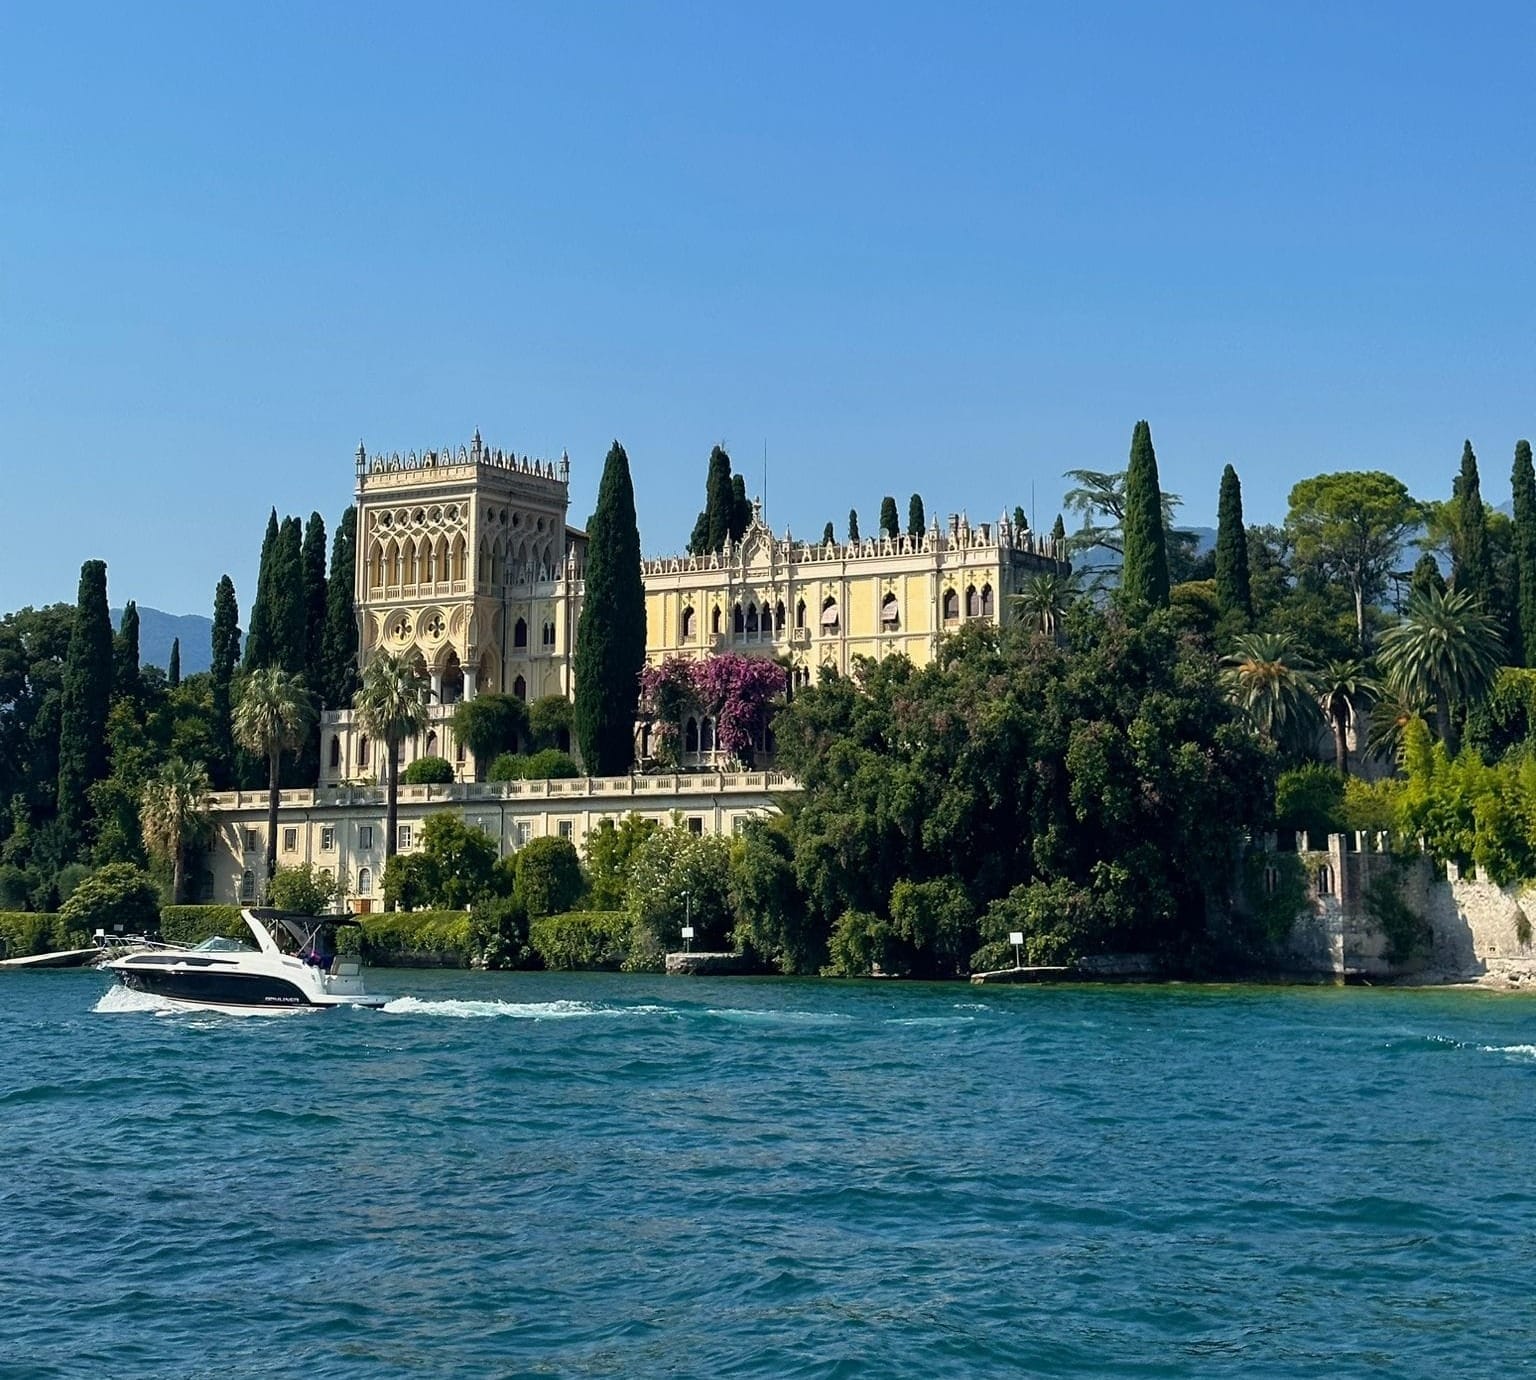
(173, 813)
(1271, 681)
(1343, 688)
(272, 717)
(391, 707)
(1446, 653)
(1043, 602)
(1391, 713)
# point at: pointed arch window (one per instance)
(714, 621)
(520, 688)
(707, 735)
(691, 735)
(751, 620)
(520, 633)
(831, 616)
(364, 881)
(690, 624)
(950, 606)
(335, 752)
(800, 614)
(972, 602)
(362, 751)
(986, 601)
(778, 617)
(738, 620)
(890, 613)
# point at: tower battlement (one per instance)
(378, 469)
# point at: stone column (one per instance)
(437, 686)
(469, 682)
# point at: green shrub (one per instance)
(1275, 889)
(23, 933)
(419, 939)
(1310, 799)
(305, 889)
(118, 898)
(549, 764)
(193, 924)
(499, 926)
(508, 766)
(549, 876)
(1407, 933)
(428, 771)
(582, 939)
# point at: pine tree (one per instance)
(1234, 594)
(828, 535)
(226, 656)
(258, 638)
(314, 590)
(741, 507)
(721, 498)
(339, 654)
(610, 640)
(1144, 575)
(853, 524)
(173, 673)
(290, 640)
(126, 683)
(890, 524)
(916, 521)
(85, 696)
(1523, 482)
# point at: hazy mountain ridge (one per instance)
(157, 630)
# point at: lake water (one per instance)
(609, 1176)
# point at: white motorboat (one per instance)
(227, 975)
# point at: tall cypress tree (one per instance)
(1020, 522)
(226, 656)
(1426, 577)
(173, 672)
(340, 648)
(916, 521)
(126, 683)
(1059, 530)
(258, 641)
(610, 638)
(720, 498)
(853, 524)
(1471, 555)
(85, 695)
(313, 559)
(1234, 592)
(890, 524)
(828, 535)
(1144, 575)
(290, 639)
(1523, 482)
(741, 507)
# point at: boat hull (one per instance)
(247, 991)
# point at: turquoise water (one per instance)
(605, 1176)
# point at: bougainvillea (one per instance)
(734, 690)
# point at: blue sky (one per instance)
(957, 249)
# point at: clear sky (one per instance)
(951, 248)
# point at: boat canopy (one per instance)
(302, 929)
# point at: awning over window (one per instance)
(829, 617)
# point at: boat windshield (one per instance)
(219, 945)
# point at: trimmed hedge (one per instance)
(27, 932)
(419, 939)
(582, 939)
(193, 924)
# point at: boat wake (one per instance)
(465, 1009)
(118, 998)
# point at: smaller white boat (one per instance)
(227, 975)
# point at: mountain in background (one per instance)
(157, 630)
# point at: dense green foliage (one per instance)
(454, 866)
(126, 683)
(1523, 487)
(1471, 556)
(338, 649)
(853, 524)
(609, 858)
(428, 771)
(191, 925)
(610, 642)
(1234, 594)
(582, 939)
(304, 889)
(490, 725)
(117, 898)
(916, 523)
(544, 765)
(549, 878)
(173, 671)
(420, 939)
(226, 657)
(259, 639)
(890, 523)
(1144, 573)
(1310, 800)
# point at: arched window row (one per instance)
(416, 563)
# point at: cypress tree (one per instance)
(126, 683)
(314, 589)
(741, 507)
(1144, 575)
(290, 640)
(258, 642)
(85, 695)
(853, 524)
(916, 521)
(720, 496)
(610, 639)
(828, 535)
(1020, 522)
(890, 524)
(1471, 555)
(1523, 482)
(1058, 530)
(339, 655)
(698, 540)
(1426, 577)
(1234, 593)
(226, 656)
(173, 674)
